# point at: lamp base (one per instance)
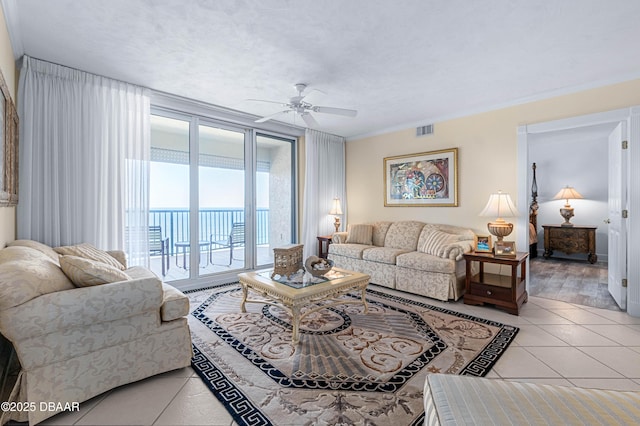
(567, 213)
(337, 223)
(500, 229)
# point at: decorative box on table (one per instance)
(287, 260)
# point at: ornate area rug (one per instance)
(349, 367)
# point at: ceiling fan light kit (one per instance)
(298, 106)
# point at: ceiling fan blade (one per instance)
(269, 117)
(309, 120)
(338, 111)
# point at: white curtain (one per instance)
(84, 159)
(324, 180)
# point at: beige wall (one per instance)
(487, 152)
(8, 68)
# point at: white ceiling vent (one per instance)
(424, 130)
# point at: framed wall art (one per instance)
(424, 179)
(9, 148)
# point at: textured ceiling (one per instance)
(399, 63)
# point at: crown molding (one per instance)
(542, 96)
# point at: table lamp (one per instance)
(336, 210)
(500, 206)
(567, 193)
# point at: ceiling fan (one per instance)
(298, 106)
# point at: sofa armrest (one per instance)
(456, 250)
(339, 237)
(119, 255)
(80, 307)
(174, 305)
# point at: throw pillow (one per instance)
(86, 272)
(88, 251)
(435, 242)
(42, 248)
(360, 234)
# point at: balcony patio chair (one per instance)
(235, 238)
(159, 245)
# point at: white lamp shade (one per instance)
(500, 205)
(568, 193)
(335, 207)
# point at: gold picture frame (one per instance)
(9, 149)
(426, 179)
(504, 249)
(482, 244)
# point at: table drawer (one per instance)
(497, 293)
(569, 232)
(571, 245)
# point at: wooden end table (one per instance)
(323, 245)
(503, 291)
(293, 297)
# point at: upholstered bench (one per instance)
(464, 400)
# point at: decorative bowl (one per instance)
(317, 266)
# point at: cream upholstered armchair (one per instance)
(80, 327)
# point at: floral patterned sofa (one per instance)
(82, 323)
(412, 256)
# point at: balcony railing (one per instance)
(216, 222)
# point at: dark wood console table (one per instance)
(570, 240)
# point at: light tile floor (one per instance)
(558, 343)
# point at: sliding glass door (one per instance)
(275, 195)
(223, 196)
(169, 196)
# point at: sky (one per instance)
(218, 187)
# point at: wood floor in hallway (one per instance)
(571, 281)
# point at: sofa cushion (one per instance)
(380, 230)
(90, 252)
(425, 262)
(382, 254)
(119, 255)
(42, 248)
(348, 250)
(86, 272)
(174, 303)
(25, 274)
(403, 235)
(360, 234)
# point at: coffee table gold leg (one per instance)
(295, 321)
(244, 297)
(364, 299)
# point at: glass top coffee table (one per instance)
(303, 290)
